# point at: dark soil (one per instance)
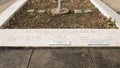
(24, 19)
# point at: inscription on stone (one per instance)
(64, 43)
(98, 42)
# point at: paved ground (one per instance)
(114, 4)
(5, 4)
(60, 58)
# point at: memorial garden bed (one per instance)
(36, 14)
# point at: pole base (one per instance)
(56, 12)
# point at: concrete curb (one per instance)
(9, 12)
(107, 11)
(59, 38)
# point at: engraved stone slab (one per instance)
(60, 37)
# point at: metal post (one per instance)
(59, 10)
(59, 6)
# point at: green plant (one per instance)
(32, 14)
(82, 14)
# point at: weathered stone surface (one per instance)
(88, 11)
(78, 11)
(14, 58)
(30, 10)
(61, 58)
(114, 4)
(41, 11)
(4, 4)
(106, 57)
(42, 38)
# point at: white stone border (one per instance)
(9, 12)
(59, 38)
(107, 11)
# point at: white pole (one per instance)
(59, 5)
